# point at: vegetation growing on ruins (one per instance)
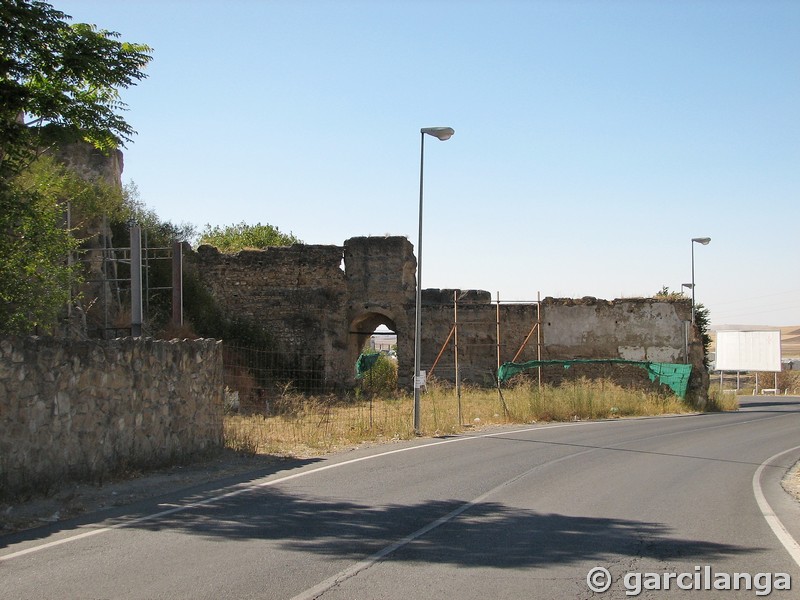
(34, 277)
(45, 209)
(241, 236)
(702, 318)
(58, 82)
(61, 76)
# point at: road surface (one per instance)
(539, 511)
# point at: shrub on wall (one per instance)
(241, 236)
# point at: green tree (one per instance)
(702, 317)
(42, 213)
(35, 275)
(60, 77)
(85, 199)
(58, 82)
(135, 210)
(233, 238)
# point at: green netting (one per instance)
(364, 363)
(675, 376)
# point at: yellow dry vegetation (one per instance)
(312, 426)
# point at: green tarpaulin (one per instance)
(364, 363)
(675, 376)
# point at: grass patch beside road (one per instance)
(309, 426)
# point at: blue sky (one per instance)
(593, 139)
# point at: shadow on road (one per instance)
(151, 492)
(486, 534)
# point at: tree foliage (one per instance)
(61, 186)
(159, 232)
(35, 275)
(61, 76)
(58, 82)
(702, 317)
(242, 236)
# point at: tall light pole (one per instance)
(699, 240)
(442, 134)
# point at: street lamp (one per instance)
(442, 134)
(704, 241)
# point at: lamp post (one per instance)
(442, 134)
(699, 240)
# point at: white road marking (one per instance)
(785, 538)
(341, 576)
(248, 488)
(780, 531)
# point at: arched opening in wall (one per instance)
(373, 352)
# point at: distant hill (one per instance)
(790, 342)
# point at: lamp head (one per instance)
(703, 240)
(440, 133)
(687, 285)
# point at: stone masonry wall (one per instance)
(640, 329)
(297, 294)
(327, 301)
(83, 409)
(319, 303)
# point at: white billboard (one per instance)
(754, 350)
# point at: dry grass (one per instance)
(310, 426)
(786, 382)
(719, 401)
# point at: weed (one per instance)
(302, 425)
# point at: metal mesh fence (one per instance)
(260, 375)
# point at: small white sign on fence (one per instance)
(419, 382)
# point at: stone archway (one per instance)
(361, 328)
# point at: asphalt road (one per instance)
(523, 512)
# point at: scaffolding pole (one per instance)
(177, 284)
(455, 353)
(539, 335)
(438, 356)
(498, 331)
(136, 281)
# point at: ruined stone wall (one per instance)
(95, 297)
(477, 317)
(642, 329)
(488, 335)
(90, 163)
(327, 300)
(296, 294)
(84, 409)
(319, 303)
(637, 329)
(381, 287)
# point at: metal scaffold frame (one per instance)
(453, 335)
